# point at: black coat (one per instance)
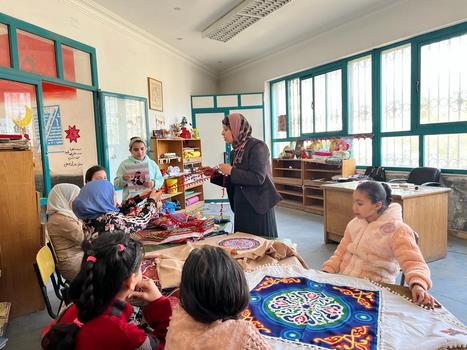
(253, 177)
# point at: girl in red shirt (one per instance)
(98, 318)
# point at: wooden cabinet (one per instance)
(20, 233)
(187, 185)
(300, 181)
(425, 210)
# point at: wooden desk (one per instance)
(425, 210)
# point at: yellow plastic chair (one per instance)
(44, 268)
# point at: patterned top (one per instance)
(110, 222)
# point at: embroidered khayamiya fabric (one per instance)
(297, 308)
(310, 312)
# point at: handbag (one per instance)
(376, 173)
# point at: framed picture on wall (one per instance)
(155, 94)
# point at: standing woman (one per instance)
(251, 192)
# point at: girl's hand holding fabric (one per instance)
(155, 195)
(149, 184)
(146, 290)
(421, 297)
(225, 169)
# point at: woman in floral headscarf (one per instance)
(251, 192)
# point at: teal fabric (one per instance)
(154, 174)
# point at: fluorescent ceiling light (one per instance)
(240, 18)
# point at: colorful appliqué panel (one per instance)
(300, 309)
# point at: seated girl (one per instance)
(96, 206)
(98, 317)
(377, 244)
(213, 293)
(65, 230)
(95, 172)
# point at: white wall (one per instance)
(402, 20)
(125, 55)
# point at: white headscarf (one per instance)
(60, 198)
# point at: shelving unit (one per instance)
(299, 182)
(161, 146)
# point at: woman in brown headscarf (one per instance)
(247, 178)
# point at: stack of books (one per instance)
(14, 142)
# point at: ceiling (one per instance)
(179, 23)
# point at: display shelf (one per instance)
(300, 181)
(177, 146)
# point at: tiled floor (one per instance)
(449, 275)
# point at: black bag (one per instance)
(376, 173)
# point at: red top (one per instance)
(111, 329)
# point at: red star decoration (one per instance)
(72, 133)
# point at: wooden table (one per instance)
(424, 209)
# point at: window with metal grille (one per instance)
(400, 151)
(446, 151)
(395, 89)
(360, 115)
(362, 151)
(307, 105)
(293, 90)
(328, 101)
(443, 81)
(279, 110)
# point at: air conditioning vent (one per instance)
(241, 17)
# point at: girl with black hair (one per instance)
(95, 172)
(213, 293)
(98, 318)
(377, 244)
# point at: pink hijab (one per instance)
(241, 132)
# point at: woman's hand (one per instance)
(155, 195)
(146, 290)
(126, 177)
(149, 184)
(421, 297)
(225, 169)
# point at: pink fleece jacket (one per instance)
(379, 249)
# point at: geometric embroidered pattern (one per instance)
(300, 309)
(239, 243)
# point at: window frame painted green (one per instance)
(15, 74)
(417, 129)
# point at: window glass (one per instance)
(360, 96)
(328, 101)
(307, 105)
(279, 117)
(4, 46)
(70, 132)
(18, 108)
(443, 81)
(76, 65)
(446, 151)
(294, 107)
(36, 54)
(395, 89)
(400, 151)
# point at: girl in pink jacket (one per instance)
(377, 244)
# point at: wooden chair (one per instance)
(417, 238)
(45, 269)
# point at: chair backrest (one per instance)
(45, 263)
(419, 176)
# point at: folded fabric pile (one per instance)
(187, 154)
(248, 250)
(175, 228)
